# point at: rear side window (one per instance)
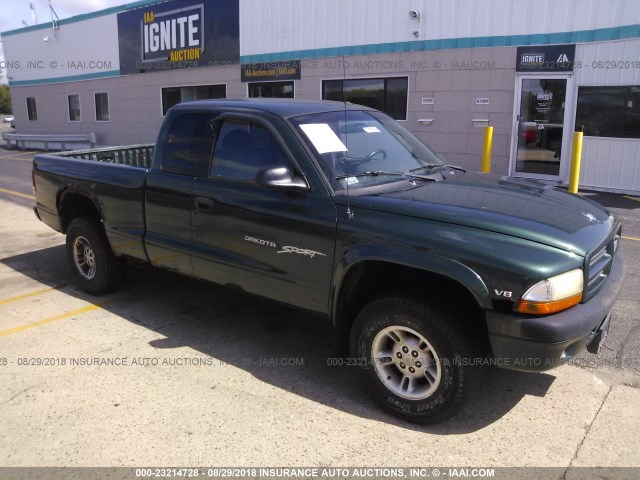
(243, 149)
(188, 143)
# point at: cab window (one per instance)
(243, 149)
(188, 143)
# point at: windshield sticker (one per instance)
(323, 138)
(371, 129)
(352, 180)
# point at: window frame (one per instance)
(35, 109)
(292, 82)
(373, 77)
(95, 106)
(247, 117)
(200, 165)
(164, 87)
(79, 119)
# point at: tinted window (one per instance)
(188, 143)
(32, 110)
(74, 107)
(271, 90)
(243, 149)
(389, 95)
(609, 111)
(102, 107)
(173, 95)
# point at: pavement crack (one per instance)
(621, 349)
(586, 433)
(19, 393)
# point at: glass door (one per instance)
(541, 127)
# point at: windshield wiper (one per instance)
(374, 173)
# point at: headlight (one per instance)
(553, 294)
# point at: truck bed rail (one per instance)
(132, 155)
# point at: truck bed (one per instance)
(132, 155)
(113, 178)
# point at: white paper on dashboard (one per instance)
(323, 138)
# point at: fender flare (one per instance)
(424, 261)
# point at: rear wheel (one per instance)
(413, 360)
(95, 267)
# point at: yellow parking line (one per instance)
(17, 194)
(17, 154)
(62, 316)
(635, 239)
(632, 198)
(24, 295)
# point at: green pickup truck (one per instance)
(426, 272)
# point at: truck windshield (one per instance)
(361, 149)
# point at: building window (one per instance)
(389, 95)
(173, 95)
(74, 107)
(102, 107)
(609, 111)
(32, 110)
(271, 90)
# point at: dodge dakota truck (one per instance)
(426, 272)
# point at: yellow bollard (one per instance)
(486, 150)
(576, 156)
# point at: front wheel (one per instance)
(95, 267)
(413, 361)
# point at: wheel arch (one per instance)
(361, 281)
(72, 204)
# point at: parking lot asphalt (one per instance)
(174, 371)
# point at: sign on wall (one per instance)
(179, 34)
(546, 58)
(257, 72)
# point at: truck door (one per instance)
(273, 242)
(184, 144)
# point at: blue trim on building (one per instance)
(84, 16)
(72, 78)
(581, 36)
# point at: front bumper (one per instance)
(534, 344)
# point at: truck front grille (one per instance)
(599, 266)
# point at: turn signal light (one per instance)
(545, 308)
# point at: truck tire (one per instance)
(413, 362)
(91, 259)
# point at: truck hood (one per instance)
(521, 208)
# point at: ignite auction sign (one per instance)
(546, 58)
(179, 34)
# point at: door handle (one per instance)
(202, 204)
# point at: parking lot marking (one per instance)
(17, 154)
(632, 198)
(17, 194)
(25, 295)
(44, 321)
(635, 239)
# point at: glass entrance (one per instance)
(540, 127)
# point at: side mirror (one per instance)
(280, 177)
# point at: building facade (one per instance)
(535, 71)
